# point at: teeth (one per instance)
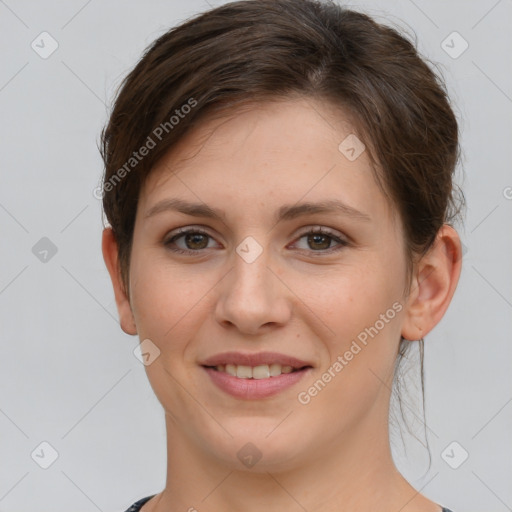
(243, 372)
(230, 368)
(263, 371)
(275, 370)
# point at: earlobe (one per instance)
(110, 256)
(435, 281)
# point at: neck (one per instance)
(355, 474)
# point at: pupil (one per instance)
(315, 238)
(194, 238)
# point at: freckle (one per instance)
(298, 335)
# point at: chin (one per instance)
(259, 446)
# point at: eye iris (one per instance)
(315, 239)
(195, 238)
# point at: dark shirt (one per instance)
(138, 505)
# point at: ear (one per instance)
(434, 283)
(110, 255)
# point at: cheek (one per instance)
(168, 301)
(166, 305)
(362, 308)
(159, 298)
(353, 298)
(364, 313)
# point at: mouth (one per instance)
(255, 376)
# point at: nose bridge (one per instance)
(251, 279)
(252, 296)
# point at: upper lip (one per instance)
(256, 359)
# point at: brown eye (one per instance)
(318, 241)
(321, 241)
(190, 241)
(196, 241)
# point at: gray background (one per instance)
(68, 375)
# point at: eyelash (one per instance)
(316, 231)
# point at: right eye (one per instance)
(194, 240)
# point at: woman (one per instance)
(279, 188)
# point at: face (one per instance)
(251, 278)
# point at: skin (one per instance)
(299, 297)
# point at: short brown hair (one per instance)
(258, 50)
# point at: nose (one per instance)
(253, 297)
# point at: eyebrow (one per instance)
(286, 212)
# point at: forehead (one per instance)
(270, 152)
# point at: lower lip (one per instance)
(251, 389)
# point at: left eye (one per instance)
(319, 240)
